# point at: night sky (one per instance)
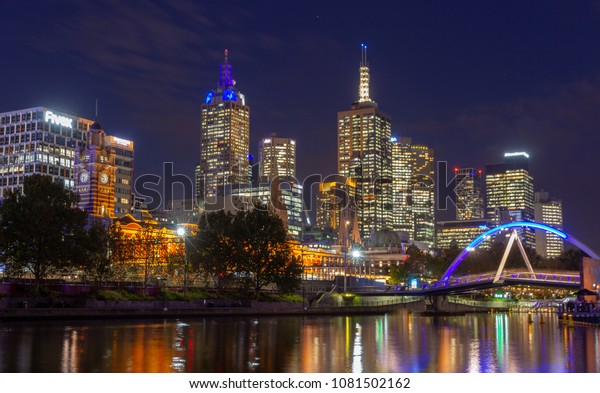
(472, 79)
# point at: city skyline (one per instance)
(472, 97)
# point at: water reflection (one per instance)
(399, 342)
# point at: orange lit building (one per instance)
(149, 250)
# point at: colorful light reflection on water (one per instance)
(398, 342)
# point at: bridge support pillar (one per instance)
(439, 303)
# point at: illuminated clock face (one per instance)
(103, 178)
(84, 177)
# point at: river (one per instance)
(394, 342)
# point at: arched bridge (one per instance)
(449, 283)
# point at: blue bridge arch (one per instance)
(520, 224)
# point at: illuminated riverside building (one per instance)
(469, 196)
(45, 141)
(548, 211)
(509, 192)
(460, 233)
(364, 155)
(225, 137)
(277, 157)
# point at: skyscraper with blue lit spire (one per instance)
(225, 137)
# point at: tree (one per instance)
(214, 249)
(98, 262)
(250, 247)
(265, 255)
(42, 228)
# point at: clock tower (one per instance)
(95, 174)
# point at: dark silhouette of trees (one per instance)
(249, 248)
(42, 229)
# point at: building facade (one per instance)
(45, 141)
(460, 233)
(364, 155)
(277, 157)
(39, 141)
(95, 174)
(225, 137)
(469, 193)
(509, 193)
(335, 198)
(423, 194)
(402, 175)
(548, 211)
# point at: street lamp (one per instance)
(356, 256)
(181, 232)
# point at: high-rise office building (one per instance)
(548, 211)
(413, 190)
(469, 196)
(423, 194)
(38, 141)
(509, 193)
(402, 175)
(225, 139)
(335, 201)
(277, 157)
(45, 141)
(364, 155)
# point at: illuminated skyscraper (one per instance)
(402, 173)
(364, 155)
(335, 202)
(225, 139)
(548, 211)
(509, 192)
(469, 197)
(423, 194)
(277, 158)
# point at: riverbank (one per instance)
(255, 310)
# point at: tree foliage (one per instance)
(247, 248)
(42, 229)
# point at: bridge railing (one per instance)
(519, 276)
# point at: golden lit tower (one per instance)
(225, 137)
(95, 174)
(364, 155)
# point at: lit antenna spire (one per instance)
(363, 85)
(225, 76)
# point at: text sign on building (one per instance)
(51, 117)
(122, 142)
